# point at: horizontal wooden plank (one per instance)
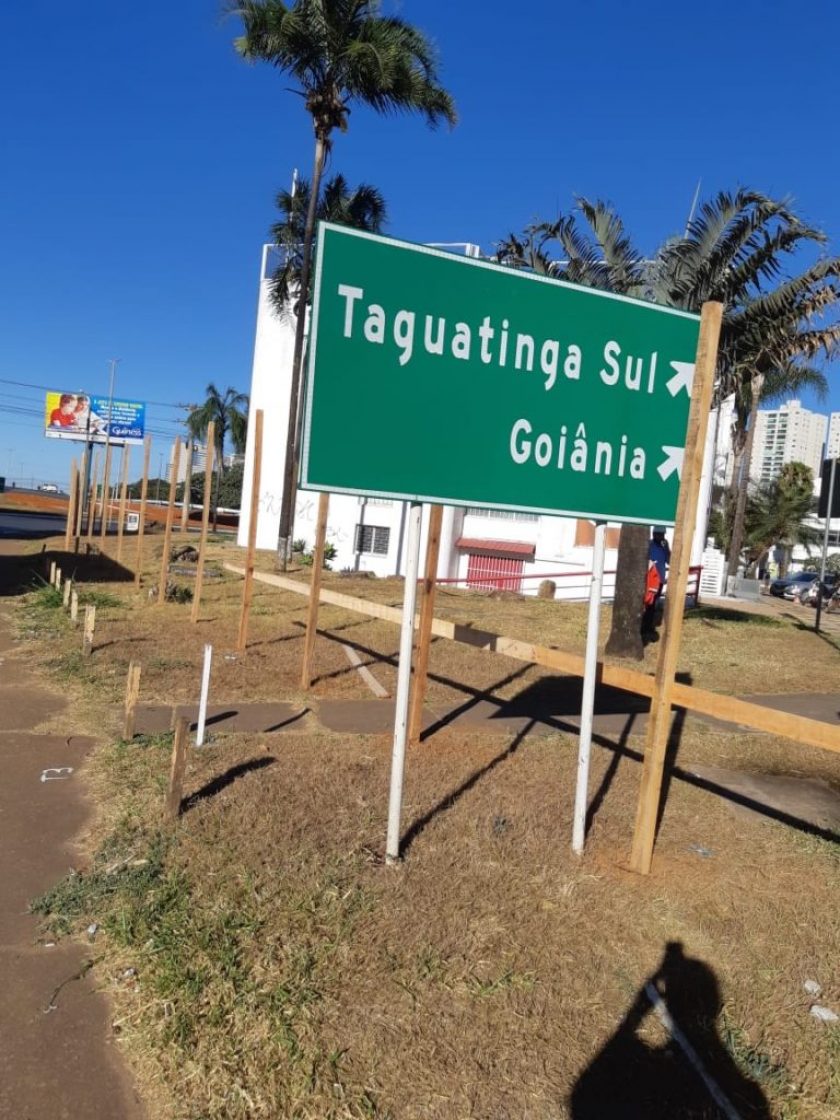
(812, 732)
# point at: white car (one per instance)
(48, 488)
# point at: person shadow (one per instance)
(690, 1076)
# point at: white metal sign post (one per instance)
(392, 846)
(590, 676)
(205, 690)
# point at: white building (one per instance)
(832, 449)
(790, 434)
(199, 458)
(479, 547)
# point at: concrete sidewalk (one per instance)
(542, 709)
(57, 1057)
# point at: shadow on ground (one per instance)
(691, 1075)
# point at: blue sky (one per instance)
(141, 159)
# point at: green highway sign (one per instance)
(439, 378)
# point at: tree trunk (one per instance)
(736, 542)
(290, 468)
(625, 638)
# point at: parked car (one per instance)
(779, 587)
(808, 596)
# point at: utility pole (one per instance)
(825, 544)
(107, 479)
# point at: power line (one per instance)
(50, 389)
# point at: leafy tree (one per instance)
(338, 53)
(229, 491)
(777, 512)
(363, 208)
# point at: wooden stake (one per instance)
(424, 633)
(170, 517)
(315, 590)
(123, 489)
(74, 606)
(185, 503)
(141, 526)
(92, 500)
(659, 721)
(106, 483)
(132, 695)
(178, 768)
(71, 505)
(80, 499)
(89, 630)
(57, 580)
(52, 573)
(248, 589)
(210, 440)
(68, 588)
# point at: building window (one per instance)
(373, 539)
(502, 514)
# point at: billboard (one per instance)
(81, 417)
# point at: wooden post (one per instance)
(80, 500)
(68, 588)
(178, 768)
(92, 500)
(185, 503)
(210, 441)
(132, 695)
(106, 483)
(74, 606)
(57, 580)
(89, 630)
(123, 488)
(659, 721)
(315, 590)
(170, 516)
(424, 633)
(141, 526)
(248, 589)
(52, 573)
(71, 505)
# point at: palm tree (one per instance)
(595, 251)
(229, 412)
(363, 208)
(773, 328)
(339, 53)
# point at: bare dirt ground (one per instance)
(284, 971)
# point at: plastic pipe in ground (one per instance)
(392, 845)
(590, 672)
(205, 689)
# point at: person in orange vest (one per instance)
(659, 557)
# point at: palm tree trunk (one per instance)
(625, 638)
(220, 466)
(290, 468)
(742, 479)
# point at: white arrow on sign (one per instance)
(682, 379)
(673, 462)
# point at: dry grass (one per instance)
(284, 971)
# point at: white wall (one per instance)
(270, 386)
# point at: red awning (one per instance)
(516, 549)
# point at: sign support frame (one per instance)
(659, 720)
(392, 844)
(591, 677)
